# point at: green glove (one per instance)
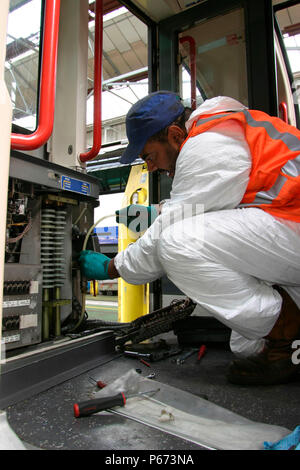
(94, 265)
(136, 217)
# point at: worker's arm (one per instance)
(139, 263)
(112, 271)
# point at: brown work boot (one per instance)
(274, 364)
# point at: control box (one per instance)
(22, 305)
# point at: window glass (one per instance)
(124, 71)
(288, 22)
(221, 67)
(22, 60)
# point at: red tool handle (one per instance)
(201, 352)
(86, 408)
(100, 384)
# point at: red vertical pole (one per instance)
(97, 137)
(47, 83)
(192, 45)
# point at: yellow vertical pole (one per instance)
(133, 300)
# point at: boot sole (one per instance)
(270, 377)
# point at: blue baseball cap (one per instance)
(147, 117)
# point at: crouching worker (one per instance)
(237, 254)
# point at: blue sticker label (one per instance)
(77, 186)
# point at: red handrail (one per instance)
(47, 83)
(97, 137)
(192, 44)
(284, 112)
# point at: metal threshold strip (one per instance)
(28, 374)
(188, 416)
(202, 446)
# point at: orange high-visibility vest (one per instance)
(274, 182)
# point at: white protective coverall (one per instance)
(223, 257)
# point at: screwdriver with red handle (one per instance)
(89, 407)
(201, 352)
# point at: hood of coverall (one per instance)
(218, 104)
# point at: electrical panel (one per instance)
(49, 211)
(22, 302)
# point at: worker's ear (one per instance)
(176, 136)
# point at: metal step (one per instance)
(49, 364)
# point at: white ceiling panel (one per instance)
(107, 43)
(117, 38)
(128, 30)
(140, 28)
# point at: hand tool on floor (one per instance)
(99, 383)
(201, 352)
(89, 407)
(186, 355)
(151, 376)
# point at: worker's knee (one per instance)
(181, 240)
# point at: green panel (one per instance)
(112, 180)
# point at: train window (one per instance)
(186, 88)
(125, 70)
(22, 60)
(220, 55)
(285, 96)
(287, 43)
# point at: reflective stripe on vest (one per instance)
(274, 183)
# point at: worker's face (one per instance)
(162, 156)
